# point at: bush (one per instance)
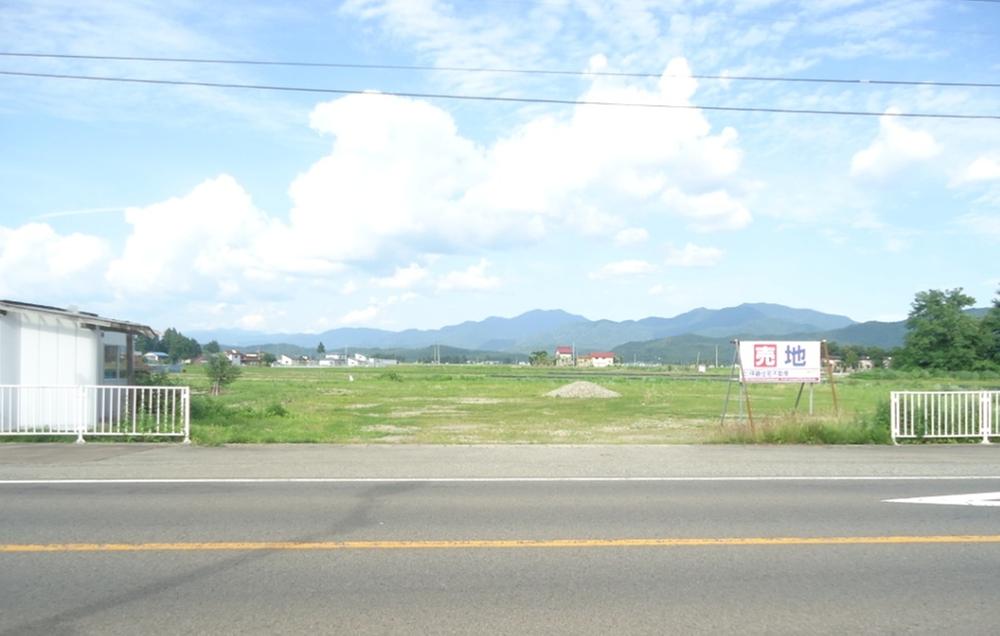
(275, 409)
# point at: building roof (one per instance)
(84, 318)
(565, 351)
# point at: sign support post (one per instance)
(744, 390)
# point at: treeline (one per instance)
(942, 335)
(174, 344)
(853, 354)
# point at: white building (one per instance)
(600, 359)
(48, 346)
(46, 351)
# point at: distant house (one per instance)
(252, 359)
(599, 359)
(564, 356)
(285, 361)
(156, 357)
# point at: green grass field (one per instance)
(457, 404)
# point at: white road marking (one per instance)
(973, 499)
(448, 480)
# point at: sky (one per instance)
(201, 207)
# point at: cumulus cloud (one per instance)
(631, 236)
(473, 278)
(622, 269)
(400, 182)
(212, 241)
(982, 169)
(895, 147)
(35, 259)
(692, 255)
(403, 278)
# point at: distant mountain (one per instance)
(886, 335)
(686, 349)
(544, 329)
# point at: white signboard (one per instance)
(780, 361)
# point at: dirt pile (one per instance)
(583, 390)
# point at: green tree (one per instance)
(178, 346)
(989, 328)
(268, 358)
(145, 344)
(211, 347)
(940, 335)
(851, 358)
(320, 349)
(221, 371)
(539, 358)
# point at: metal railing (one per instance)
(945, 415)
(96, 411)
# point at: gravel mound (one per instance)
(583, 390)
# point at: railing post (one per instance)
(186, 401)
(894, 417)
(985, 416)
(82, 415)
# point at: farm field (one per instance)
(465, 404)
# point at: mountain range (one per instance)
(545, 329)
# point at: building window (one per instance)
(114, 362)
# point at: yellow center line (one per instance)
(491, 543)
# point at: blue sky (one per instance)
(203, 208)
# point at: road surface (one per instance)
(562, 552)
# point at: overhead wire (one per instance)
(503, 99)
(474, 69)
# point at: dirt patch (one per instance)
(386, 428)
(430, 410)
(583, 390)
(477, 400)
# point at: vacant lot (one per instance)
(481, 405)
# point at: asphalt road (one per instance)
(807, 554)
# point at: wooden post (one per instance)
(729, 385)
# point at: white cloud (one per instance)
(360, 316)
(657, 290)
(251, 321)
(622, 269)
(473, 278)
(35, 259)
(692, 255)
(404, 278)
(982, 169)
(349, 288)
(631, 236)
(895, 147)
(709, 212)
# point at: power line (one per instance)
(494, 98)
(472, 69)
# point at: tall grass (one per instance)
(866, 428)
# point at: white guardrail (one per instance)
(96, 411)
(945, 415)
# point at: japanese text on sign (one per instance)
(780, 361)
